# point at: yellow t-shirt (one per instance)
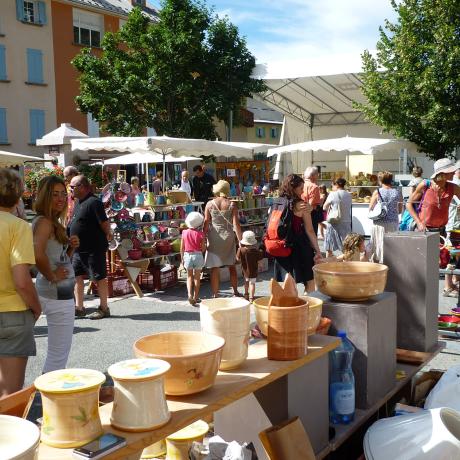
(16, 247)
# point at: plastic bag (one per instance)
(446, 393)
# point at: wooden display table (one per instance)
(256, 373)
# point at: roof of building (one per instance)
(122, 7)
(263, 113)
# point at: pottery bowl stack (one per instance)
(350, 281)
(194, 358)
(19, 438)
(315, 308)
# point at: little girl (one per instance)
(354, 248)
(192, 247)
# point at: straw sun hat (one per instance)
(194, 220)
(444, 165)
(222, 188)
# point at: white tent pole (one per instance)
(146, 166)
(164, 170)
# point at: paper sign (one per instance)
(231, 172)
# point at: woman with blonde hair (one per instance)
(56, 279)
(19, 304)
(220, 225)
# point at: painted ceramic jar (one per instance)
(139, 402)
(70, 399)
(19, 438)
(228, 318)
(179, 443)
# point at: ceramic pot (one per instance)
(158, 449)
(229, 319)
(70, 399)
(178, 444)
(150, 199)
(350, 281)
(194, 358)
(139, 401)
(19, 438)
(160, 199)
(287, 332)
(315, 308)
(426, 435)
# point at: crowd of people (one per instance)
(69, 238)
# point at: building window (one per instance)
(273, 133)
(3, 127)
(3, 75)
(36, 124)
(32, 12)
(93, 126)
(260, 132)
(34, 66)
(87, 28)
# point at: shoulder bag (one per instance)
(380, 210)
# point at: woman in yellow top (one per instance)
(19, 304)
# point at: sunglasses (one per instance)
(74, 186)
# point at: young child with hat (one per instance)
(249, 255)
(193, 245)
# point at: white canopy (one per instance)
(149, 157)
(346, 145)
(61, 135)
(8, 159)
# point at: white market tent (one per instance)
(150, 157)
(164, 145)
(9, 159)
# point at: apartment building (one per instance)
(27, 83)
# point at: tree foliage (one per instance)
(176, 75)
(413, 84)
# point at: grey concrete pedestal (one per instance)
(371, 327)
(413, 262)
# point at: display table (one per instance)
(360, 222)
(256, 373)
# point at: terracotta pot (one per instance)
(163, 247)
(350, 281)
(315, 308)
(135, 254)
(194, 358)
(70, 399)
(139, 402)
(229, 319)
(19, 438)
(178, 444)
(287, 332)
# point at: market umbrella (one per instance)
(9, 159)
(164, 145)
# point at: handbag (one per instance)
(334, 214)
(380, 210)
(407, 221)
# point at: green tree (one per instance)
(177, 75)
(413, 84)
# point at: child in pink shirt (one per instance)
(192, 247)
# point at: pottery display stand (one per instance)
(371, 327)
(412, 259)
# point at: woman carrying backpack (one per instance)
(304, 244)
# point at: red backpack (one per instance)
(277, 238)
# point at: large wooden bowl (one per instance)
(350, 281)
(194, 358)
(315, 307)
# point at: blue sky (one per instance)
(310, 37)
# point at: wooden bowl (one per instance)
(315, 307)
(194, 358)
(350, 281)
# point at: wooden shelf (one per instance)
(255, 373)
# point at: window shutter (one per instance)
(2, 63)
(41, 6)
(37, 124)
(20, 10)
(3, 127)
(34, 66)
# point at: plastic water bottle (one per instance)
(342, 382)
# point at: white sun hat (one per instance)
(194, 220)
(249, 238)
(444, 165)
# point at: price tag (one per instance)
(231, 172)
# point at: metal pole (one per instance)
(230, 126)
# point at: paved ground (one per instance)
(98, 344)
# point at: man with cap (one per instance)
(437, 195)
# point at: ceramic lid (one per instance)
(138, 369)
(69, 380)
(195, 430)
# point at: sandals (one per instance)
(450, 292)
(191, 301)
(100, 313)
(80, 312)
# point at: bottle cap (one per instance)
(341, 333)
